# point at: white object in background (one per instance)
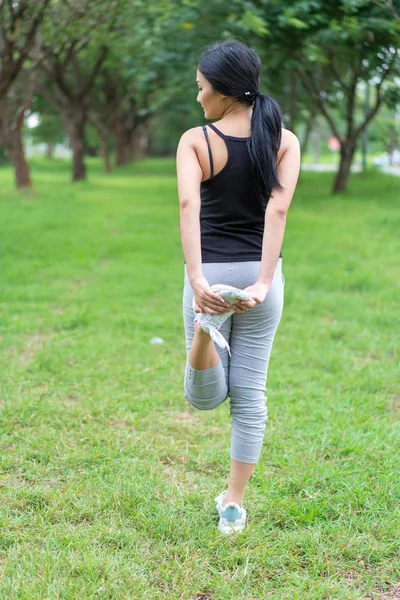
(156, 340)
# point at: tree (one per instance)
(347, 42)
(386, 130)
(71, 95)
(71, 65)
(19, 51)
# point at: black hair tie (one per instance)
(251, 95)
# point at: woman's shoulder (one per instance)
(288, 139)
(192, 134)
(190, 139)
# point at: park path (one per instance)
(326, 167)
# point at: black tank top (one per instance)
(231, 216)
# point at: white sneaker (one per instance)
(212, 323)
(232, 517)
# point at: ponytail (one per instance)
(263, 145)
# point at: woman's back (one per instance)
(231, 216)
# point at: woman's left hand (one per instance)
(258, 291)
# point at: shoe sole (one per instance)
(228, 529)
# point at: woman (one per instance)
(235, 185)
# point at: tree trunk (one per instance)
(140, 141)
(123, 144)
(128, 150)
(105, 153)
(150, 141)
(137, 151)
(17, 156)
(102, 129)
(11, 135)
(308, 129)
(315, 138)
(75, 117)
(124, 127)
(347, 150)
(120, 158)
(292, 101)
(76, 131)
(49, 150)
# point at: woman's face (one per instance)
(212, 102)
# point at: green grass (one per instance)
(108, 475)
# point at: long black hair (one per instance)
(233, 69)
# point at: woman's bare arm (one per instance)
(190, 175)
(278, 205)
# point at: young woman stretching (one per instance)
(236, 181)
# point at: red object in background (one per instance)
(333, 144)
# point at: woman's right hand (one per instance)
(207, 301)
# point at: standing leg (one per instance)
(252, 337)
(239, 476)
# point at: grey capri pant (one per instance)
(243, 375)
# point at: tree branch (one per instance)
(334, 71)
(11, 9)
(12, 67)
(96, 121)
(58, 73)
(314, 93)
(89, 84)
(351, 97)
(69, 53)
(388, 6)
(48, 94)
(379, 96)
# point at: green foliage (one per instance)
(153, 47)
(20, 22)
(50, 129)
(253, 23)
(386, 130)
(4, 159)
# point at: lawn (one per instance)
(107, 473)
